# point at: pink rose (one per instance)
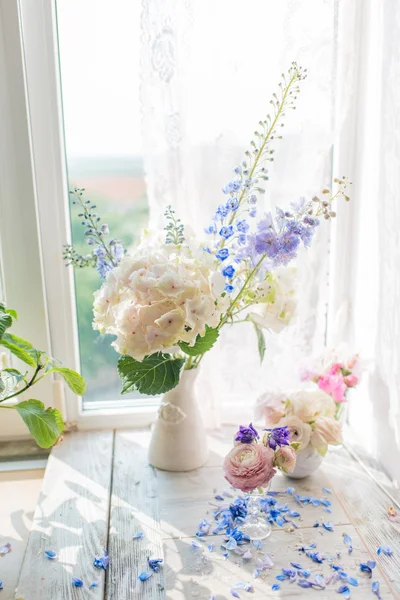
(352, 362)
(351, 380)
(334, 386)
(249, 466)
(326, 431)
(285, 458)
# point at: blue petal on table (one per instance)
(256, 573)
(231, 544)
(290, 491)
(218, 497)
(276, 587)
(326, 502)
(385, 549)
(304, 583)
(247, 555)
(5, 549)
(353, 581)
(303, 573)
(257, 544)
(343, 575)
(93, 585)
(296, 565)
(315, 502)
(234, 593)
(345, 590)
(102, 562)
(279, 521)
(50, 554)
(281, 577)
(293, 513)
(319, 580)
(316, 524)
(210, 548)
(289, 572)
(77, 582)
(327, 490)
(375, 589)
(144, 575)
(328, 526)
(138, 535)
(315, 556)
(154, 563)
(1, 584)
(196, 545)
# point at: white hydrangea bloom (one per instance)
(157, 297)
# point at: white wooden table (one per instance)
(99, 492)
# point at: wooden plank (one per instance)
(134, 509)
(367, 506)
(71, 519)
(199, 574)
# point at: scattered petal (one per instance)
(276, 587)
(353, 581)
(319, 580)
(138, 536)
(385, 549)
(77, 582)
(210, 548)
(375, 589)
(247, 555)
(231, 544)
(328, 526)
(102, 562)
(304, 573)
(296, 565)
(257, 544)
(5, 549)
(154, 563)
(281, 577)
(196, 545)
(290, 491)
(218, 497)
(345, 590)
(144, 576)
(1, 584)
(93, 585)
(327, 490)
(234, 593)
(50, 554)
(304, 583)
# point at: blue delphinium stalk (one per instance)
(247, 251)
(104, 255)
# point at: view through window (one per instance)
(99, 63)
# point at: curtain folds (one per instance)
(208, 70)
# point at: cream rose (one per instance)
(299, 431)
(307, 405)
(326, 431)
(270, 407)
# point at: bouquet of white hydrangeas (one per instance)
(167, 302)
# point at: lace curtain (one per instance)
(208, 72)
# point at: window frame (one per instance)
(34, 30)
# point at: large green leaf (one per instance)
(9, 379)
(74, 381)
(155, 374)
(260, 341)
(5, 323)
(45, 424)
(202, 344)
(21, 349)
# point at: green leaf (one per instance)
(74, 381)
(202, 344)
(260, 341)
(45, 424)
(21, 349)
(9, 379)
(155, 374)
(12, 312)
(5, 323)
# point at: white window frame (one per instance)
(41, 187)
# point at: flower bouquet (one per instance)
(167, 300)
(250, 466)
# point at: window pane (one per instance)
(99, 58)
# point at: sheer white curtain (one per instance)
(208, 72)
(366, 275)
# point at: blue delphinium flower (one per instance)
(229, 288)
(279, 436)
(211, 229)
(253, 212)
(242, 226)
(232, 204)
(246, 435)
(221, 212)
(267, 242)
(222, 253)
(242, 239)
(228, 271)
(232, 186)
(226, 232)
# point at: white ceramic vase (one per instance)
(179, 440)
(307, 461)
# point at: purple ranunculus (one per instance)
(279, 436)
(246, 435)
